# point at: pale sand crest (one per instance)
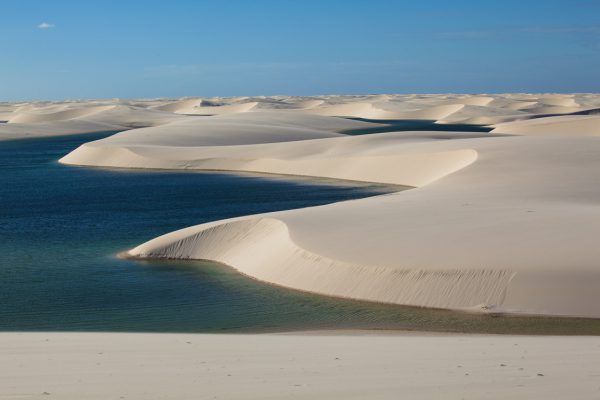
(40, 120)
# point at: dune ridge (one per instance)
(263, 249)
(30, 121)
(579, 125)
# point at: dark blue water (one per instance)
(412, 125)
(61, 226)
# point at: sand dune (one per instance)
(559, 100)
(207, 106)
(476, 100)
(384, 161)
(53, 114)
(357, 110)
(480, 115)
(181, 106)
(496, 222)
(238, 129)
(225, 109)
(35, 120)
(568, 125)
(123, 115)
(57, 128)
(308, 104)
(59, 118)
(432, 113)
(550, 110)
(497, 241)
(492, 225)
(521, 105)
(378, 111)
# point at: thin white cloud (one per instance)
(46, 25)
(564, 29)
(268, 67)
(475, 34)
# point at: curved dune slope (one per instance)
(575, 125)
(181, 106)
(495, 222)
(54, 114)
(71, 118)
(379, 110)
(236, 129)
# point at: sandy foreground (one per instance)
(297, 366)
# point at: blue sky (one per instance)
(55, 49)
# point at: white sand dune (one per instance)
(564, 100)
(520, 105)
(299, 366)
(476, 100)
(497, 222)
(477, 109)
(308, 104)
(432, 113)
(550, 110)
(58, 128)
(225, 109)
(123, 115)
(49, 114)
(181, 107)
(567, 125)
(72, 118)
(239, 129)
(339, 157)
(481, 115)
(208, 107)
(133, 117)
(357, 110)
(7, 110)
(378, 110)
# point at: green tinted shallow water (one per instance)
(60, 228)
(240, 304)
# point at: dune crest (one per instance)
(263, 249)
(567, 125)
